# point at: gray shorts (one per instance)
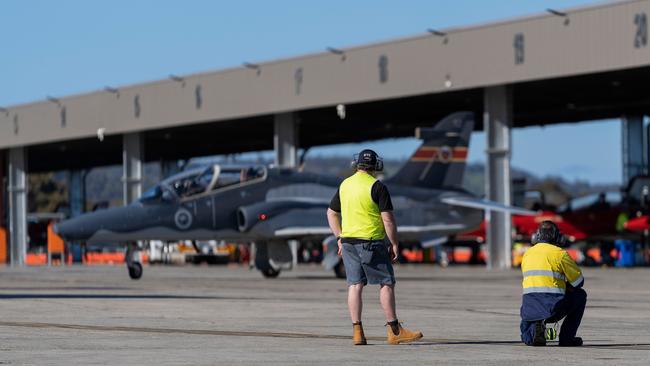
(368, 263)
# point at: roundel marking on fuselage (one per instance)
(183, 219)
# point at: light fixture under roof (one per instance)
(54, 100)
(559, 14)
(337, 51)
(249, 65)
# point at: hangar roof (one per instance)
(585, 63)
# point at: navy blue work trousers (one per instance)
(571, 308)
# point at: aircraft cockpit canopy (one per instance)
(156, 193)
(214, 177)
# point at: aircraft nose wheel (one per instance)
(135, 271)
(270, 272)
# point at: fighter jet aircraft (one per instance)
(269, 206)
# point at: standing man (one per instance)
(552, 289)
(360, 216)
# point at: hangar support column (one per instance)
(632, 146)
(497, 121)
(3, 224)
(285, 139)
(77, 192)
(132, 157)
(17, 205)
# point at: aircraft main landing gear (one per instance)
(271, 258)
(132, 259)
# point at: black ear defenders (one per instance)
(380, 165)
(548, 232)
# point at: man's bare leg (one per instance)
(355, 303)
(387, 300)
(395, 332)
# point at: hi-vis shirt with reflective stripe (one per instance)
(547, 268)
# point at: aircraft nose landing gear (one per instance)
(132, 259)
(135, 271)
(269, 272)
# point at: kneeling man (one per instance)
(552, 289)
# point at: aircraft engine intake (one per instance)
(249, 216)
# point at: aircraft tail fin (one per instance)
(440, 160)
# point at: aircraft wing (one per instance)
(483, 204)
(292, 231)
(325, 230)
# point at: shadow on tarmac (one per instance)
(19, 296)
(621, 346)
(425, 342)
(73, 288)
(381, 340)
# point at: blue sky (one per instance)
(66, 47)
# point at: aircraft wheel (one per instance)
(135, 271)
(339, 270)
(270, 272)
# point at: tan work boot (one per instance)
(404, 335)
(358, 338)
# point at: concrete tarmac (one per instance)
(232, 316)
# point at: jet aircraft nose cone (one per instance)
(103, 225)
(82, 227)
(65, 229)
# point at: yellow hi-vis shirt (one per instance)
(360, 216)
(547, 268)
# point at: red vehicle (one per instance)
(596, 220)
(639, 225)
(525, 226)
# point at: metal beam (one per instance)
(497, 119)
(647, 150)
(2, 189)
(285, 139)
(4, 249)
(632, 146)
(132, 157)
(18, 205)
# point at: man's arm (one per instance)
(571, 271)
(334, 221)
(381, 196)
(391, 231)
